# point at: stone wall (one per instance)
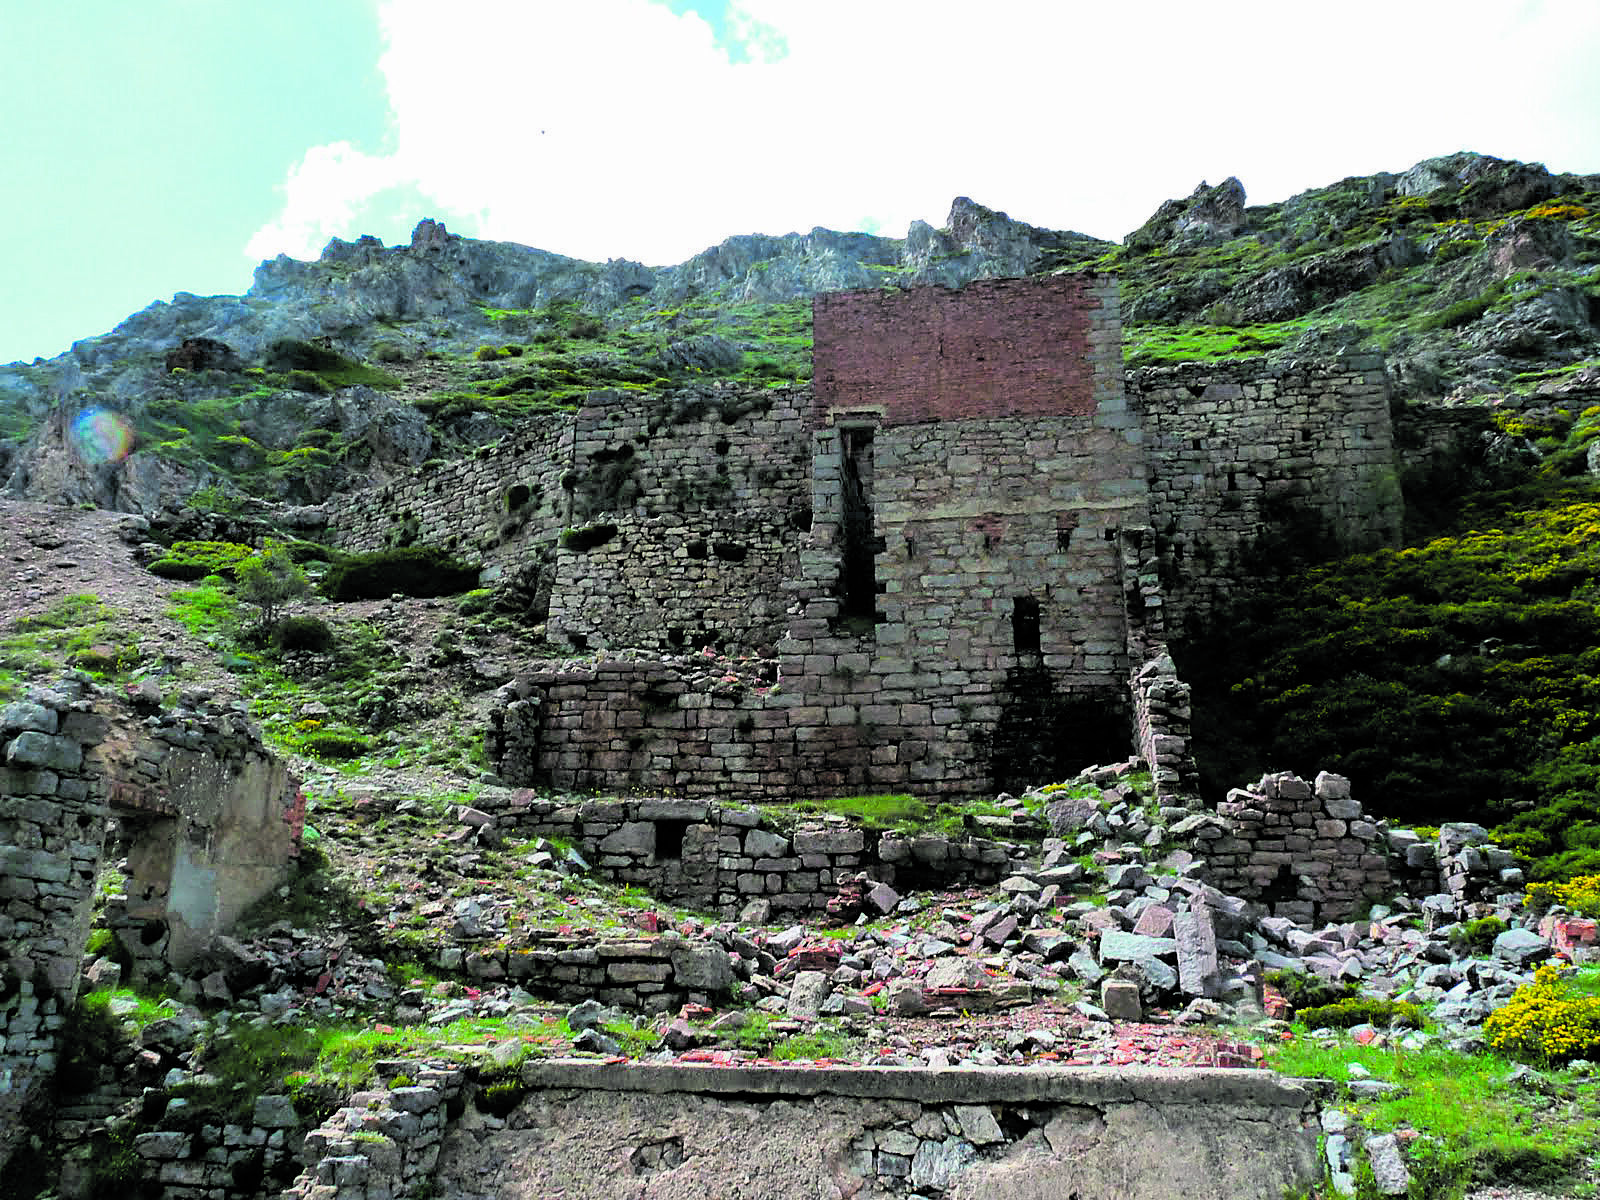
(53, 811)
(470, 505)
(1258, 458)
(208, 822)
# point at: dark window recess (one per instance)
(911, 547)
(1064, 530)
(1025, 625)
(518, 495)
(858, 572)
(730, 551)
(669, 840)
(675, 636)
(696, 549)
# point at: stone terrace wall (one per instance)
(718, 856)
(1301, 450)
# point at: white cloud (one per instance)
(614, 127)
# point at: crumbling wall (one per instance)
(211, 823)
(53, 810)
(508, 492)
(1265, 458)
(1304, 850)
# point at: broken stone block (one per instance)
(1198, 967)
(956, 973)
(1388, 1165)
(34, 749)
(702, 968)
(102, 974)
(906, 998)
(1117, 946)
(1521, 946)
(1119, 998)
(978, 1125)
(806, 995)
(1155, 921)
(882, 899)
(936, 1164)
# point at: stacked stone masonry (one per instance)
(957, 555)
(1306, 850)
(1303, 452)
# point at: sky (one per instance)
(170, 145)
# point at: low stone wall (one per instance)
(714, 856)
(1305, 850)
(645, 974)
(593, 1131)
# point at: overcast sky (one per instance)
(169, 145)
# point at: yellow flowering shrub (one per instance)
(1580, 894)
(1558, 212)
(1546, 1021)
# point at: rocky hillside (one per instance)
(1476, 277)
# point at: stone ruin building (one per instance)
(203, 819)
(951, 562)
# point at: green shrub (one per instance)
(586, 327)
(1303, 990)
(389, 352)
(1362, 1010)
(332, 745)
(302, 633)
(1547, 1021)
(477, 602)
(308, 381)
(1479, 934)
(588, 537)
(498, 1099)
(194, 560)
(1580, 894)
(270, 580)
(486, 354)
(181, 569)
(405, 570)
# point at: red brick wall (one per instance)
(996, 348)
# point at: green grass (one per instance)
(1164, 345)
(882, 811)
(1477, 1129)
(208, 608)
(77, 632)
(822, 1042)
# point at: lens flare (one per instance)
(101, 436)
